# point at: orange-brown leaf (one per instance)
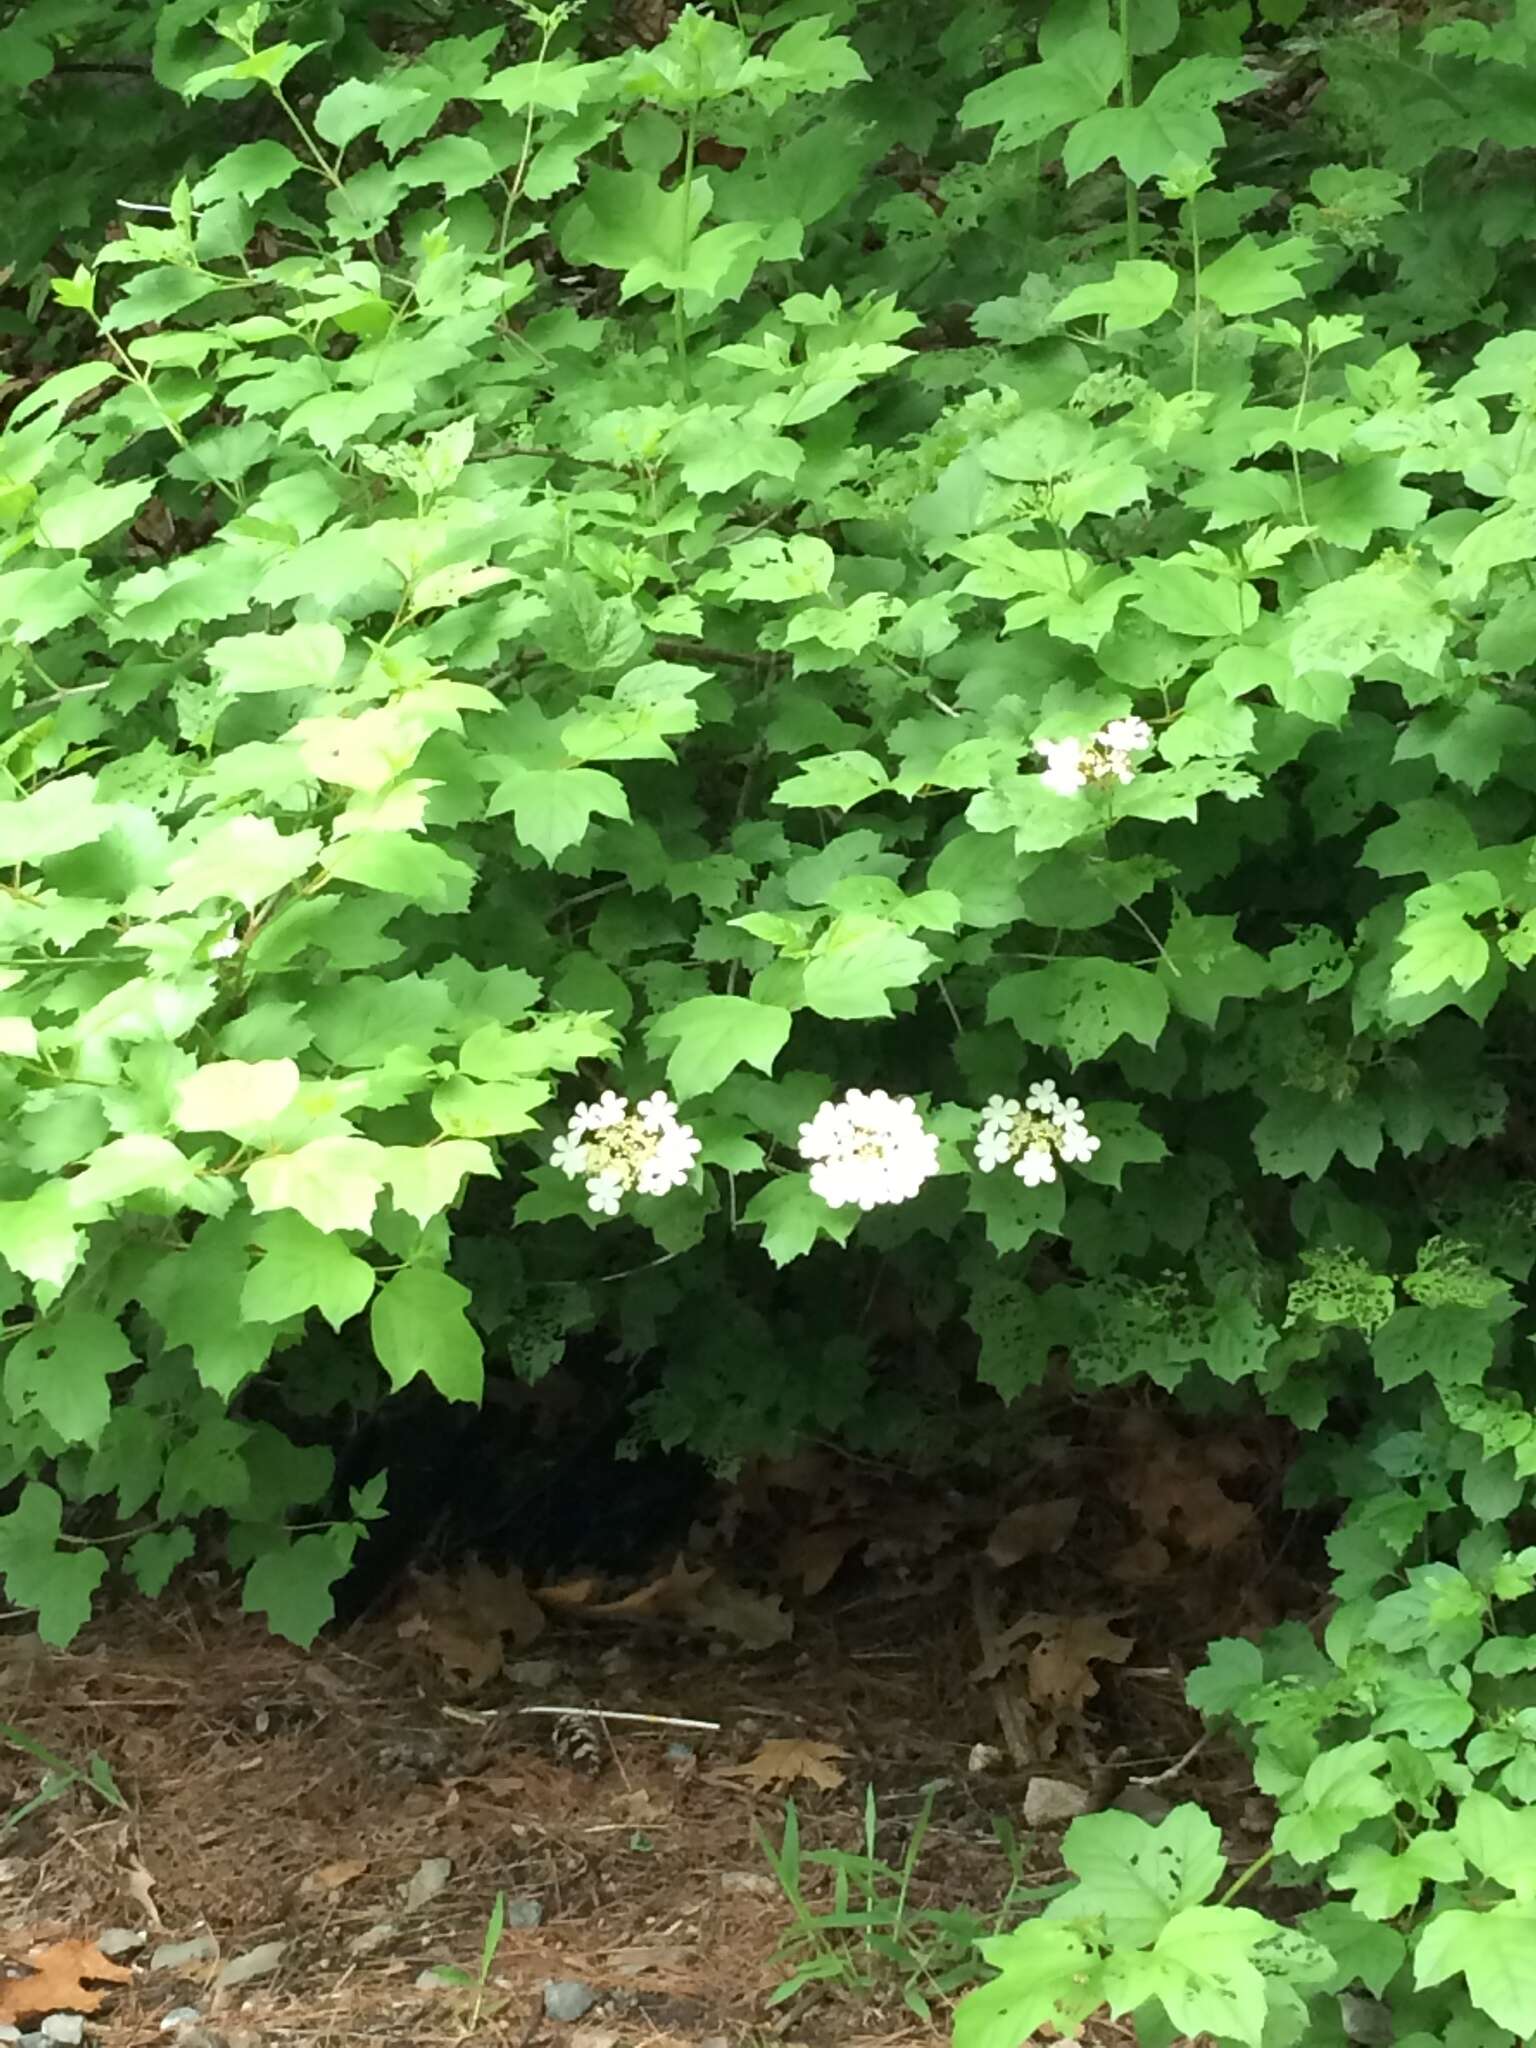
(784, 1760)
(58, 1982)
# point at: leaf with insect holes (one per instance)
(785, 1760)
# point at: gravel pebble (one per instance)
(65, 2028)
(180, 2016)
(537, 1673)
(568, 2000)
(256, 1962)
(1052, 1802)
(524, 1913)
(171, 1955)
(120, 1941)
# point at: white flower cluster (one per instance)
(1071, 765)
(868, 1150)
(619, 1151)
(1033, 1134)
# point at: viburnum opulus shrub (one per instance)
(651, 690)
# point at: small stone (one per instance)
(180, 2016)
(984, 1756)
(524, 1912)
(431, 1874)
(373, 1938)
(714, 2041)
(66, 2029)
(755, 1882)
(538, 1674)
(175, 1955)
(1146, 1804)
(568, 2000)
(120, 1941)
(10, 2035)
(1053, 1802)
(440, 1978)
(616, 1661)
(681, 1752)
(256, 1962)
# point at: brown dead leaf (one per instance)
(474, 1659)
(140, 1887)
(501, 1603)
(759, 1620)
(784, 1760)
(1059, 1668)
(1037, 1530)
(676, 1592)
(568, 1593)
(1208, 1518)
(58, 1982)
(330, 1877)
(815, 1556)
(1139, 1563)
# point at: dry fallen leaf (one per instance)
(1033, 1531)
(330, 1877)
(500, 1602)
(1059, 1671)
(1140, 1562)
(58, 1982)
(476, 1659)
(784, 1760)
(676, 1592)
(759, 1620)
(815, 1556)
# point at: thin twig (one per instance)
(1173, 1770)
(612, 1714)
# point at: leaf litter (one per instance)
(309, 1833)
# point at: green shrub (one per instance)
(814, 559)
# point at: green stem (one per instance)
(515, 188)
(685, 235)
(1301, 495)
(1194, 244)
(1127, 101)
(1259, 1863)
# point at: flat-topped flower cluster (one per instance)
(1071, 765)
(865, 1149)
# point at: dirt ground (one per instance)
(347, 1816)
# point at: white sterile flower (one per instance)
(868, 1150)
(568, 1155)
(1067, 1112)
(1035, 1167)
(1048, 1128)
(623, 1151)
(994, 1144)
(1076, 1145)
(1126, 736)
(225, 948)
(1063, 770)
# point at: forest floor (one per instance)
(308, 1836)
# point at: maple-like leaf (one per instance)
(785, 1760)
(61, 1981)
